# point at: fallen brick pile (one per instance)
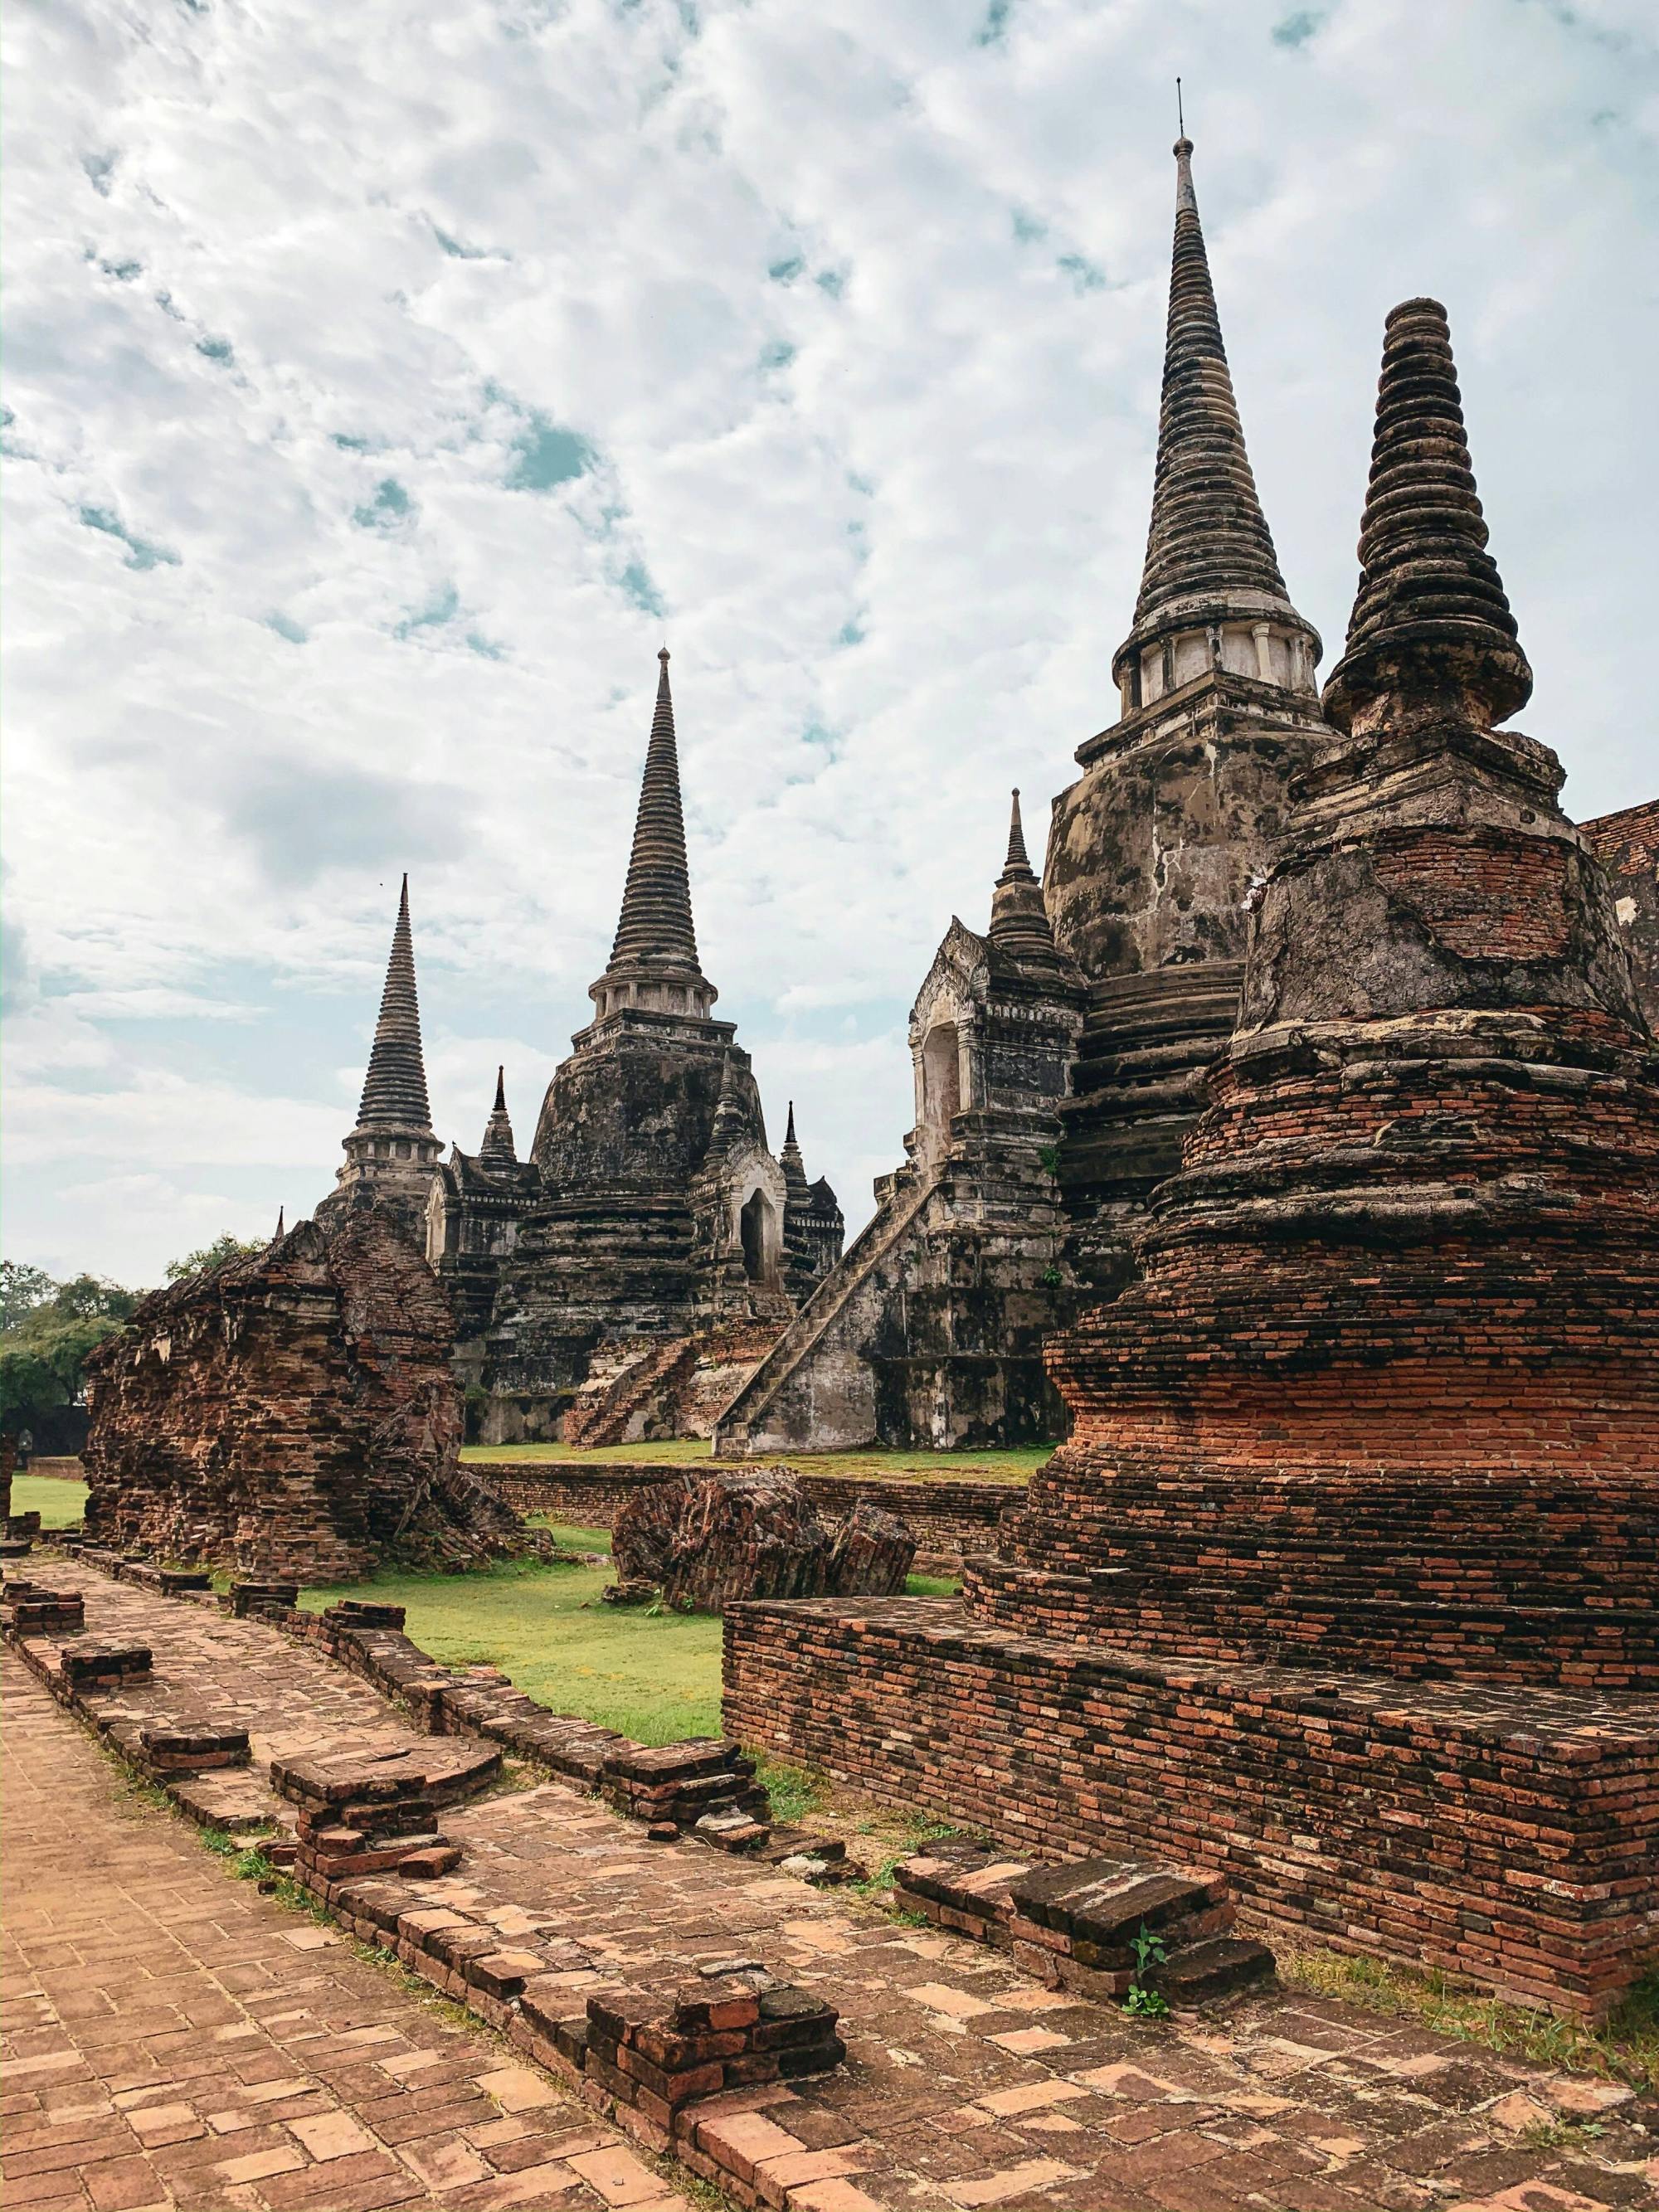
(705, 1540)
(949, 1516)
(1075, 1925)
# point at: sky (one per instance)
(385, 383)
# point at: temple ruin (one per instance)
(1045, 1122)
(295, 1413)
(1345, 1578)
(624, 1280)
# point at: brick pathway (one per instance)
(174, 2037)
(966, 2084)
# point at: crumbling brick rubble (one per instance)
(291, 1414)
(703, 1540)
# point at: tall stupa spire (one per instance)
(390, 1153)
(394, 1089)
(656, 909)
(1210, 558)
(654, 954)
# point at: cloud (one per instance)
(370, 435)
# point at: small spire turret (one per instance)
(497, 1150)
(1019, 920)
(793, 1166)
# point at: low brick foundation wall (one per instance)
(1511, 1838)
(951, 1516)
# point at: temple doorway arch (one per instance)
(757, 1230)
(941, 1083)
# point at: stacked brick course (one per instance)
(1386, 1400)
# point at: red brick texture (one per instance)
(1510, 1837)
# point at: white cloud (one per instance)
(836, 334)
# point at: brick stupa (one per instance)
(1346, 1581)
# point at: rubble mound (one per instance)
(703, 1541)
(293, 1413)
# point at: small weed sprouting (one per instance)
(1144, 2003)
(1049, 1156)
(794, 1791)
(1052, 1276)
(1562, 2135)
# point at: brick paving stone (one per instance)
(210, 2071)
(1283, 2103)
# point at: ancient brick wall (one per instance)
(1494, 1835)
(292, 1413)
(1627, 846)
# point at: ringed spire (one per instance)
(394, 1087)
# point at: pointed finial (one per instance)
(1181, 119)
(1432, 635)
(1208, 547)
(281, 1215)
(394, 1094)
(789, 1131)
(1018, 856)
(497, 1149)
(1019, 920)
(655, 929)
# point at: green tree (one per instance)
(43, 1350)
(215, 1256)
(21, 1290)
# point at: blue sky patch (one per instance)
(389, 506)
(548, 456)
(141, 552)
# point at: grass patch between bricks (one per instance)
(653, 1676)
(1624, 2047)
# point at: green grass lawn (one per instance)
(1015, 1464)
(59, 1505)
(653, 1676)
(573, 1538)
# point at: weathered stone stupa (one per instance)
(663, 1236)
(1346, 1578)
(1153, 850)
(1129, 956)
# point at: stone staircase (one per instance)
(1076, 1924)
(742, 1426)
(603, 1411)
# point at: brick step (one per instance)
(1075, 1925)
(1221, 1965)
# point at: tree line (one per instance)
(47, 1326)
